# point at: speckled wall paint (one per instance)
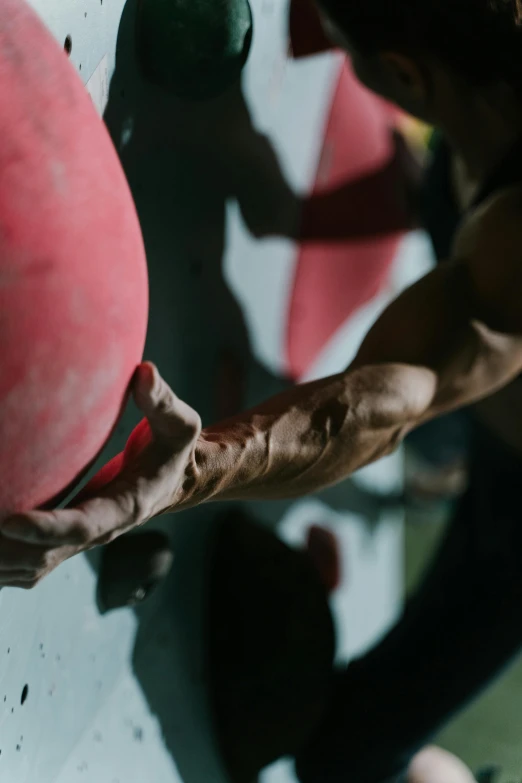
(100, 699)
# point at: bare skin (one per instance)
(435, 765)
(452, 339)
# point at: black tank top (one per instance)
(439, 212)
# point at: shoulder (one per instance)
(496, 223)
(489, 241)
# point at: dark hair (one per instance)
(480, 38)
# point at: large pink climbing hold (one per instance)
(73, 278)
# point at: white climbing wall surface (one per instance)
(100, 699)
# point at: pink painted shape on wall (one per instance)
(351, 223)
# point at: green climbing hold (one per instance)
(195, 49)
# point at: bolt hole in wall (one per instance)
(67, 46)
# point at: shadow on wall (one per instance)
(184, 162)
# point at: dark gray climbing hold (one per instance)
(132, 567)
(195, 49)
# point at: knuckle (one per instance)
(108, 538)
(196, 422)
(192, 426)
(30, 584)
(165, 403)
(165, 400)
(81, 533)
(41, 562)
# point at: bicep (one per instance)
(439, 326)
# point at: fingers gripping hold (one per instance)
(136, 485)
(45, 529)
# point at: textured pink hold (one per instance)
(73, 278)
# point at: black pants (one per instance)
(458, 632)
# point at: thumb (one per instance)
(170, 419)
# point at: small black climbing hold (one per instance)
(25, 694)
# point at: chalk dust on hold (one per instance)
(98, 86)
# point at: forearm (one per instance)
(407, 371)
(309, 437)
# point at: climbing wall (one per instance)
(118, 698)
